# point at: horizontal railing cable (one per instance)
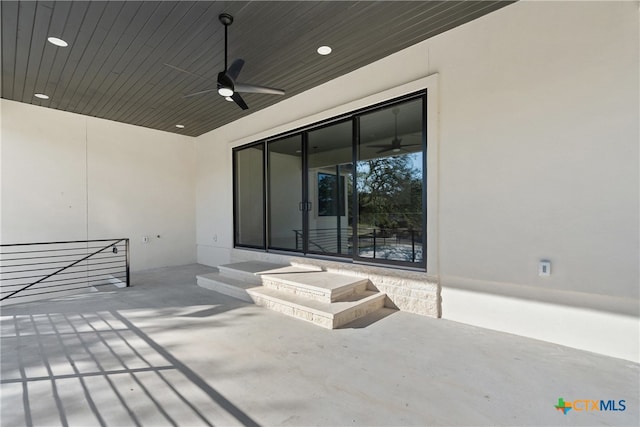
(28, 268)
(45, 263)
(123, 275)
(70, 278)
(85, 279)
(69, 289)
(57, 273)
(50, 268)
(52, 250)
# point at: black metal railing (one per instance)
(326, 240)
(399, 244)
(30, 269)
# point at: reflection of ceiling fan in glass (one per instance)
(396, 145)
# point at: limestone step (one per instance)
(313, 284)
(248, 271)
(329, 315)
(226, 285)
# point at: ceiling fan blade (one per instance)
(235, 68)
(188, 72)
(411, 145)
(249, 88)
(238, 100)
(381, 146)
(198, 93)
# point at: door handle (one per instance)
(304, 206)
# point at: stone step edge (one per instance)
(238, 288)
(332, 295)
(227, 270)
(316, 293)
(375, 300)
(226, 285)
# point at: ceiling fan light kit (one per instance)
(225, 91)
(226, 85)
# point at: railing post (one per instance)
(374, 243)
(413, 246)
(127, 261)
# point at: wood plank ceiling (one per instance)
(113, 67)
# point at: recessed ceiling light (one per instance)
(324, 50)
(180, 126)
(58, 42)
(41, 96)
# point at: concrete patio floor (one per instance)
(166, 352)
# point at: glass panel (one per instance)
(390, 181)
(285, 193)
(249, 197)
(330, 192)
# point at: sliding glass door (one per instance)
(330, 189)
(354, 188)
(390, 184)
(248, 205)
(286, 199)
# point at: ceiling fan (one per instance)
(227, 86)
(396, 143)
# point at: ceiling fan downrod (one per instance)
(226, 20)
(227, 84)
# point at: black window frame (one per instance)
(302, 131)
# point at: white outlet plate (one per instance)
(544, 268)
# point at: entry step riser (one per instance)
(314, 292)
(219, 286)
(245, 276)
(324, 319)
(290, 311)
(325, 299)
(359, 311)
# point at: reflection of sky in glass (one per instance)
(416, 161)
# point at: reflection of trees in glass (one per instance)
(390, 192)
(328, 196)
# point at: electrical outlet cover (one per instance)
(544, 268)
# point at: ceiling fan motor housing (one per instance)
(224, 81)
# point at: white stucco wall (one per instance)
(533, 154)
(72, 177)
(536, 157)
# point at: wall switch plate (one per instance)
(145, 239)
(544, 268)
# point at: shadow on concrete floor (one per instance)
(79, 361)
(167, 352)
